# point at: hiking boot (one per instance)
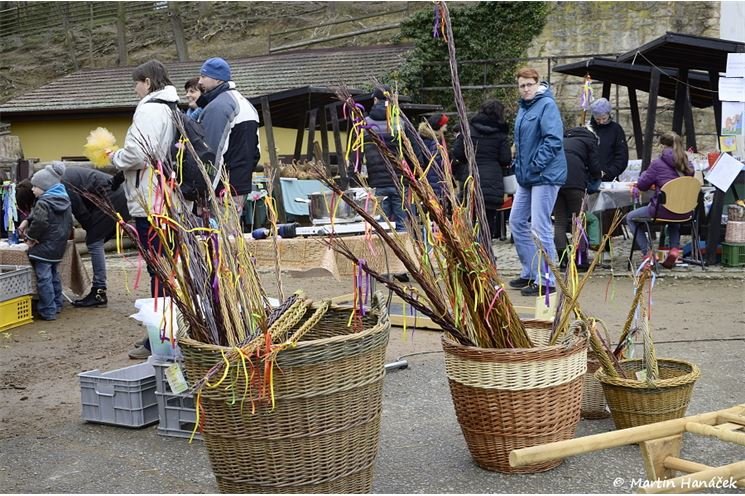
(533, 290)
(96, 298)
(138, 353)
(142, 341)
(520, 283)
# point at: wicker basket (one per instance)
(735, 232)
(323, 434)
(593, 398)
(506, 399)
(634, 403)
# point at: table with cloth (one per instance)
(72, 272)
(305, 254)
(613, 195)
(298, 188)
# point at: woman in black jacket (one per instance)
(583, 165)
(492, 148)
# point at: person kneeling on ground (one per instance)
(46, 231)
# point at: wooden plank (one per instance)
(681, 97)
(636, 122)
(655, 452)
(721, 434)
(299, 138)
(689, 467)
(340, 151)
(698, 481)
(325, 140)
(312, 115)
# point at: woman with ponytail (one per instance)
(671, 164)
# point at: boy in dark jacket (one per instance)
(46, 230)
(583, 165)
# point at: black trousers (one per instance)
(568, 203)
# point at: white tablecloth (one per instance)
(614, 195)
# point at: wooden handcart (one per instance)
(660, 445)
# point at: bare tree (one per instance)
(178, 31)
(121, 33)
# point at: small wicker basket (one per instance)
(322, 435)
(634, 403)
(735, 232)
(506, 399)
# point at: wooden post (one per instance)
(325, 139)
(340, 151)
(681, 97)
(311, 132)
(654, 88)
(277, 189)
(299, 139)
(714, 83)
(636, 122)
(606, 90)
(689, 125)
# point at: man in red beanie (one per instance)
(231, 126)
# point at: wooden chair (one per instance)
(679, 196)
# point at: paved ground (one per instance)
(45, 448)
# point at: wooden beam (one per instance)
(633, 435)
(606, 90)
(721, 434)
(654, 89)
(681, 97)
(689, 467)
(325, 139)
(714, 83)
(312, 114)
(340, 151)
(276, 189)
(636, 122)
(690, 126)
(299, 138)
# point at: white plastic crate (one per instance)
(177, 415)
(15, 281)
(124, 397)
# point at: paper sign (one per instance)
(724, 171)
(732, 118)
(732, 89)
(175, 379)
(727, 144)
(736, 65)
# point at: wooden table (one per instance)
(72, 271)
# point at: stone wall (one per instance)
(582, 28)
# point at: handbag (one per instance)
(509, 180)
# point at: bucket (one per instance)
(162, 349)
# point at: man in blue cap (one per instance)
(231, 126)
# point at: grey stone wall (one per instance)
(582, 28)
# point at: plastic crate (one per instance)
(160, 366)
(733, 255)
(15, 312)
(15, 281)
(124, 397)
(177, 415)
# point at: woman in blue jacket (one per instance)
(540, 170)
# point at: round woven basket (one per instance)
(735, 232)
(323, 433)
(594, 405)
(634, 403)
(507, 399)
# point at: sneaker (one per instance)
(96, 298)
(47, 317)
(672, 257)
(139, 353)
(520, 283)
(533, 290)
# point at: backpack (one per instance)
(192, 183)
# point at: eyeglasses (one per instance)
(526, 85)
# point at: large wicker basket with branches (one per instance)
(320, 431)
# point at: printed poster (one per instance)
(732, 118)
(731, 89)
(727, 144)
(736, 65)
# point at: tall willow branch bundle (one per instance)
(450, 256)
(206, 269)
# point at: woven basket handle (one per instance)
(379, 306)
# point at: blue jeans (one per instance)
(531, 213)
(673, 230)
(98, 261)
(49, 289)
(392, 206)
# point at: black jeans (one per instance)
(568, 203)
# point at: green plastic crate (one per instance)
(733, 255)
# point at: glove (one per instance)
(117, 180)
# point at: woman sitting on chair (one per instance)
(671, 164)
